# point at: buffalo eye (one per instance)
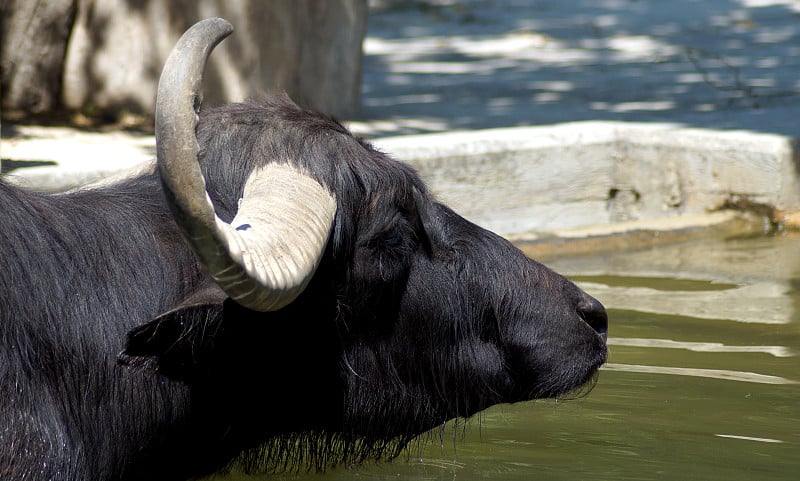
(386, 256)
(379, 270)
(392, 241)
(394, 235)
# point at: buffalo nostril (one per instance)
(594, 314)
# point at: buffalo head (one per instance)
(350, 311)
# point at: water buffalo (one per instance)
(277, 293)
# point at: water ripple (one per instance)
(742, 376)
(777, 351)
(761, 302)
(749, 438)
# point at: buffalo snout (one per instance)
(594, 314)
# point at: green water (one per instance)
(703, 380)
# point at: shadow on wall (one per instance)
(116, 50)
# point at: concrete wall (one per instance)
(527, 182)
(534, 180)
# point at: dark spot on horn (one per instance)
(244, 227)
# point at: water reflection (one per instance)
(760, 302)
(694, 372)
(777, 351)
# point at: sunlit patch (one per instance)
(552, 85)
(648, 106)
(547, 97)
(790, 4)
(640, 47)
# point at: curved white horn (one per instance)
(266, 257)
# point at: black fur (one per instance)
(415, 316)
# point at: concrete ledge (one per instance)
(582, 182)
(66, 158)
(534, 182)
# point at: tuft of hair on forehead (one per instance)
(238, 138)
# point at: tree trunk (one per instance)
(33, 39)
(310, 48)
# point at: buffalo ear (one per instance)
(178, 343)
